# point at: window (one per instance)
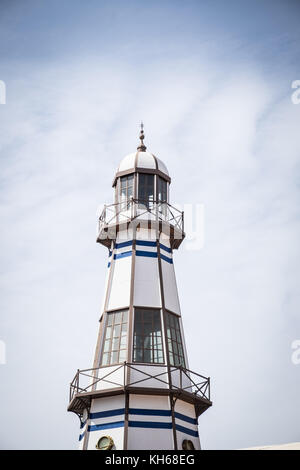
(126, 191)
(146, 190)
(147, 343)
(115, 340)
(162, 190)
(187, 445)
(162, 195)
(175, 348)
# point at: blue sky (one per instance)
(212, 82)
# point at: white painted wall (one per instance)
(117, 434)
(146, 282)
(120, 285)
(186, 409)
(170, 287)
(149, 438)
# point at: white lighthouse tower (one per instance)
(140, 393)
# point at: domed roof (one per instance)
(141, 161)
(144, 160)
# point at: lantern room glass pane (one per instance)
(147, 340)
(146, 190)
(175, 346)
(126, 191)
(115, 338)
(162, 196)
(162, 189)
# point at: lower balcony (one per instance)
(135, 378)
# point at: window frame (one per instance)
(160, 182)
(149, 201)
(171, 341)
(111, 338)
(154, 350)
(125, 200)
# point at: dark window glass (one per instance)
(147, 340)
(115, 339)
(146, 190)
(162, 196)
(126, 190)
(175, 347)
(162, 190)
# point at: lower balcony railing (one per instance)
(134, 375)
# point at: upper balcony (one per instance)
(136, 213)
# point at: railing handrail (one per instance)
(111, 212)
(202, 388)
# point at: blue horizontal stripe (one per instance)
(122, 244)
(81, 436)
(149, 424)
(105, 414)
(122, 255)
(140, 424)
(145, 243)
(186, 430)
(149, 254)
(97, 427)
(164, 247)
(82, 424)
(185, 418)
(165, 258)
(139, 411)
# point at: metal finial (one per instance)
(142, 147)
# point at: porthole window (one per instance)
(187, 445)
(105, 443)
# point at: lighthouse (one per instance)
(140, 392)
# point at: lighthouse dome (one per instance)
(142, 160)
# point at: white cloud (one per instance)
(231, 144)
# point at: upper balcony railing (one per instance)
(135, 212)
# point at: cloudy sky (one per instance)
(212, 82)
